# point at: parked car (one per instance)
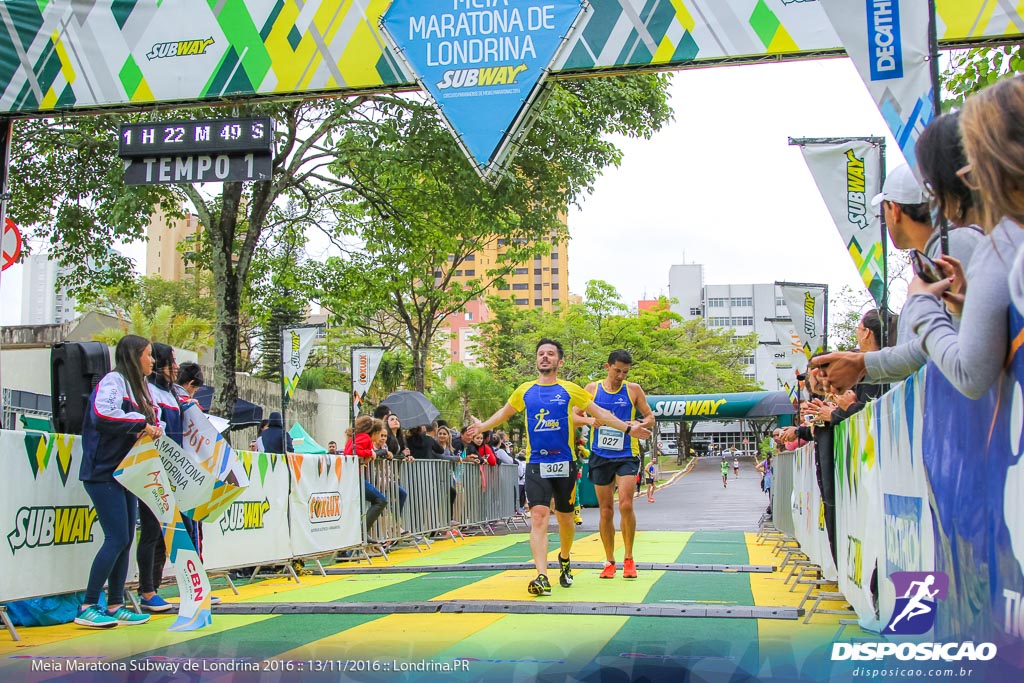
(668, 447)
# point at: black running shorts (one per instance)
(540, 491)
(604, 471)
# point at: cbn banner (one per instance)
(67, 54)
(785, 332)
(365, 362)
(324, 503)
(254, 528)
(296, 343)
(888, 43)
(46, 517)
(142, 473)
(848, 174)
(806, 304)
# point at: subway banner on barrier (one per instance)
(365, 362)
(47, 520)
(848, 174)
(887, 40)
(296, 343)
(324, 503)
(807, 305)
(482, 63)
(254, 528)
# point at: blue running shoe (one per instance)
(94, 618)
(123, 615)
(154, 604)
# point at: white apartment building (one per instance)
(743, 308)
(43, 302)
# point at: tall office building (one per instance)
(43, 300)
(742, 308)
(538, 283)
(163, 235)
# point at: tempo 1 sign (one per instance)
(197, 168)
(197, 151)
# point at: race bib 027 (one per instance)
(610, 439)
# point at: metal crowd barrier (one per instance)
(486, 495)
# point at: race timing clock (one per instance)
(201, 136)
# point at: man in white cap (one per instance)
(904, 205)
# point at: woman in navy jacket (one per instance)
(120, 410)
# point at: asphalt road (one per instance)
(697, 501)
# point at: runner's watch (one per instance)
(628, 428)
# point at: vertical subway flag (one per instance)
(847, 175)
(365, 361)
(806, 304)
(296, 343)
(888, 43)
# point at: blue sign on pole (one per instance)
(483, 62)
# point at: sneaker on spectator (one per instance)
(94, 618)
(123, 615)
(215, 600)
(154, 604)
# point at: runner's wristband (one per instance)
(628, 428)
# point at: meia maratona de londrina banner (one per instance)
(200, 479)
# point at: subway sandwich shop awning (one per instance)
(736, 406)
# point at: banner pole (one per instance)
(933, 56)
(284, 388)
(6, 132)
(884, 318)
(352, 393)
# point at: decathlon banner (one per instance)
(47, 520)
(848, 174)
(254, 528)
(887, 40)
(324, 503)
(806, 304)
(142, 473)
(296, 343)
(808, 513)
(365, 362)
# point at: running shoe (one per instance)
(564, 572)
(94, 618)
(609, 571)
(540, 586)
(628, 568)
(123, 615)
(215, 600)
(154, 604)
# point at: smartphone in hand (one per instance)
(924, 267)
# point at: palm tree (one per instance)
(467, 391)
(181, 330)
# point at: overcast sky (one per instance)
(718, 186)
(722, 187)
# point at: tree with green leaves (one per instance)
(464, 391)
(164, 325)
(421, 214)
(973, 69)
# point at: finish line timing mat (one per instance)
(715, 609)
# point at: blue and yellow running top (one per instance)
(607, 441)
(550, 429)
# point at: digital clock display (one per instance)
(203, 136)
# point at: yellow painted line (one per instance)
(402, 637)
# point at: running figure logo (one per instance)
(914, 613)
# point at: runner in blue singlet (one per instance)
(548, 404)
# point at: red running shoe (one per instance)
(629, 568)
(609, 571)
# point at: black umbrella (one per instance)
(245, 414)
(412, 408)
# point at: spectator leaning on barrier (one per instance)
(332, 447)
(972, 356)
(363, 441)
(120, 409)
(904, 204)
